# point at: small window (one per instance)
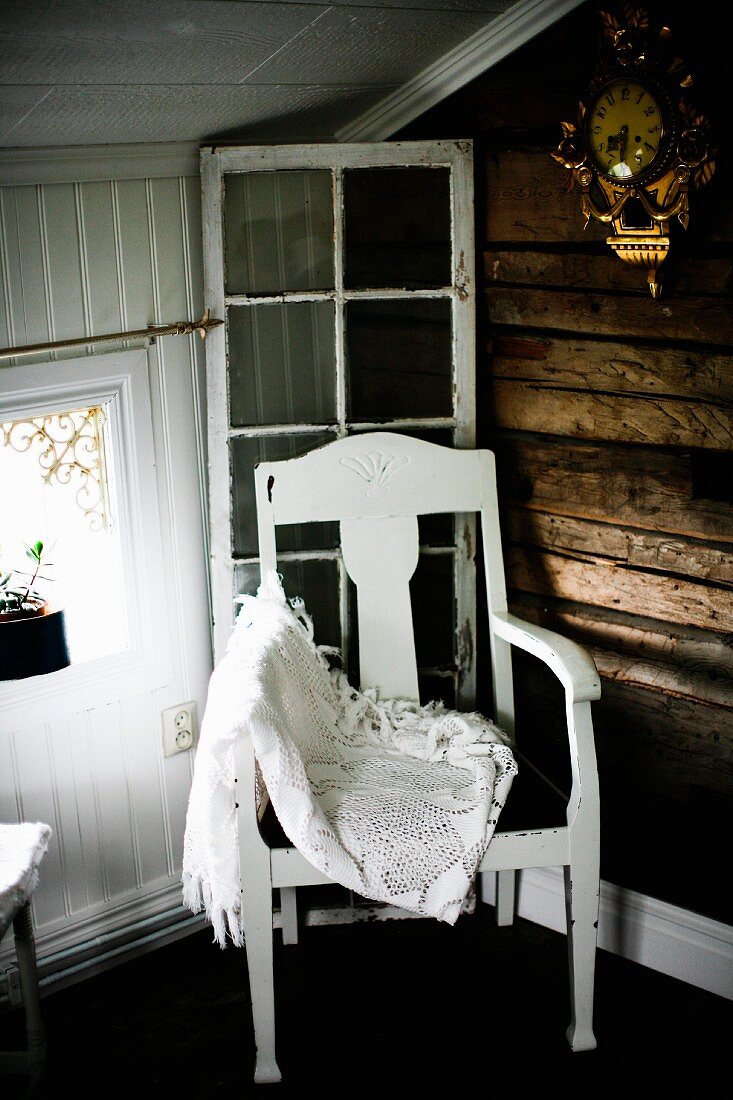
(78, 473)
(55, 469)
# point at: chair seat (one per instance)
(533, 803)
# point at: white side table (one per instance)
(22, 847)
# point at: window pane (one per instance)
(316, 582)
(245, 453)
(278, 231)
(433, 611)
(438, 687)
(282, 364)
(397, 227)
(54, 488)
(399, 359)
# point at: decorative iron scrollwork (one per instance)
(70, 448)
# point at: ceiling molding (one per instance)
(85, 163)
(455, 69)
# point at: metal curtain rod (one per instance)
(180, 328)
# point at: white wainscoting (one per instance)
(664, 937)
(87, 258)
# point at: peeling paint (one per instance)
(465, 645)
(463, 279)
(468, 541)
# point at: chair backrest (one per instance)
(376, 485)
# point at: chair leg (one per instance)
(581, 906)
(257, 923)
(25, 951)
(505, 887)
(289, 914)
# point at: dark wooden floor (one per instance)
(408, 1007)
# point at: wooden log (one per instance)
(621, 546)
(602, 271)
(645, 740)
(698, 319)
(632, 486)
(538, 407)
(600, 583)
(612, 367)
(662, 744)
(677, 661)
(527, 201)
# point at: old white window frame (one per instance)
(121, 382)
(216, 162)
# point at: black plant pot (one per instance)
(30, 646)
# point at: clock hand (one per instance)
(623, 139)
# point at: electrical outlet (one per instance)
(179, 728)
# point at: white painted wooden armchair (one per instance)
(377, 502)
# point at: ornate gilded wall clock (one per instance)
(639, 144)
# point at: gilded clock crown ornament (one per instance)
(639, 144)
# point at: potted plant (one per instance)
(32, 632)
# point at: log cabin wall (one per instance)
(611, 417)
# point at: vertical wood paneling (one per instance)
(134, 252)
(95, 257)
(67, 813)
(96, 210)
(140, 720)
(166, 211)
(30, 306)
(6, 334)
(166, 245)
(196, 304)
(112, 799)
(10, 808)
(82, 789)
(37, 795)
(64, 261)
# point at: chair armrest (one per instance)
(572, 664)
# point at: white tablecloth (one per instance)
(22, 847)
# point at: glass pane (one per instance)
(397, 227)
(278, 231)
(316, 582)
(53, 473)
(282, 364)
(433, 611)
(438, 687)
(399, 359)
(245, 453)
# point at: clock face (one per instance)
(625, 128)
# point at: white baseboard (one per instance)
(674, 941)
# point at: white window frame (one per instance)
(121, 381)
(457, 156)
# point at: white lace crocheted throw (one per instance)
(393, 800)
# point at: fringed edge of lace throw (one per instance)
(224, 922)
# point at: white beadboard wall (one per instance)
(77, 259)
